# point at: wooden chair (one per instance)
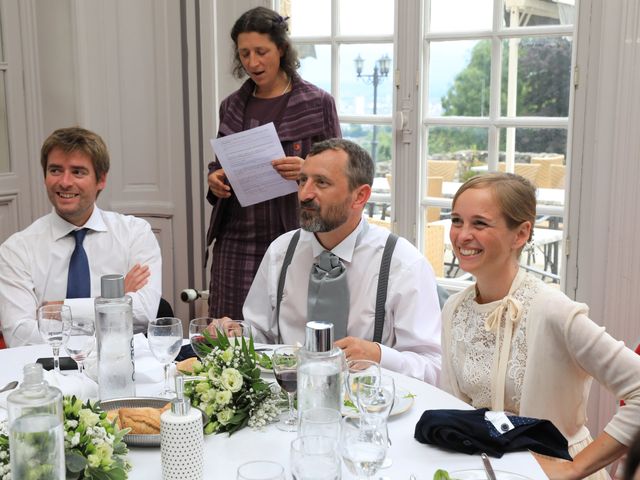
(545, 162)
(556, 176)
(434, 189)
(381, 223)
(434, 247)
(447, 169)
(526, 170)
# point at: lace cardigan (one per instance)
(535, 353)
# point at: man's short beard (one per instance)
(314, 222)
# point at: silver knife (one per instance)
(487, 467)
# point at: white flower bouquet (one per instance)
(234, 395)
(94, 446)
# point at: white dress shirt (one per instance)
(411, 334)
(34, 266)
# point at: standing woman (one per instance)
(513, 343)
(302, 114)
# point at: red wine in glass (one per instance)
(288, 380)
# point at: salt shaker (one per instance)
(181, 437)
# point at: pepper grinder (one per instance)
(181, 437)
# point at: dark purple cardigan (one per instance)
(309, 116)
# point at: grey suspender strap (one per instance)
(383, 282)
(283, 274)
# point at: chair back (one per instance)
(546, 162)
(556, 176)
(434, 189)
(447, 169)
(526, 170)
(434, 247)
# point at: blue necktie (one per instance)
(79, 279)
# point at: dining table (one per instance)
(223, 453)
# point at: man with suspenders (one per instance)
(384, 306)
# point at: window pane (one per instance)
(366, 17)
(308, 17)
(459, 15)
(376, 139)
(459, 77)
(372, 91)
(315, 64)
(5, 165)
(543, 76)
(531, 14)
(540, 155)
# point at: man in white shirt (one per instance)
(334, 187)
(34, 263)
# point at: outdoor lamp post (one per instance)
(380, 70)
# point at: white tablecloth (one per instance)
(223, 454)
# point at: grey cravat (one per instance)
(328, 298)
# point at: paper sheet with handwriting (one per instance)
(246, 158)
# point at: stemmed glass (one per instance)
(80, 340)
(165, 339)
(197, 327)
(285, 368)
(53, 320)
(359, 372)
(363, 447)
(375, 403)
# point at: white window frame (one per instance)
(493, 122)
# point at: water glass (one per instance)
(376, 401)
(285, 369)
(320, 421)
(260, 470)
(80, 339)
(53, 321)
(165, 339)
(197, 327)
(315, 457)
(360, 372)
(363, 447)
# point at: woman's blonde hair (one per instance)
(515, 195)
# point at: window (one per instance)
(346, 47)
(496, 98)
(489, 89)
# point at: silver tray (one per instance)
(136, 440)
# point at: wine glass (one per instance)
(315, 457)
(360, 372)
(165, 340)
(53, 320)
(285, 368)
(375, 401)
(260, 470)
(197, 327)
(363, 447)
(235, 330)
(80, 340)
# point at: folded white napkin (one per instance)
(148, 369)
(69, 383)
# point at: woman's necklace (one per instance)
(286, 89)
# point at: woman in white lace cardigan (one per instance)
(511, 342)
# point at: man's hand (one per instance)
(229, 327)
(137, 278)
(359, 349)
(288, 167)
(217, 186)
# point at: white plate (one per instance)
(403, 402)
(136, 440)
(480, 474)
